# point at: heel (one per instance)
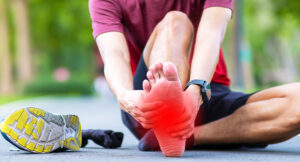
(170, 146)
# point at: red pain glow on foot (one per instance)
(175, 116)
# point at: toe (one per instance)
(170, 72)
(154, 71)
(151, 78)
(159, 67)
(146, 85)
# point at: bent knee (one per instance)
(176, 16)
(175, 21)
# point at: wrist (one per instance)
(122, 94)
(195, 90)
(129, 99)
(122, 99)
(123, 102)
(204, 86)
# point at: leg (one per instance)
(171, 41)
(269, 116)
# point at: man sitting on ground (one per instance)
(152, 40)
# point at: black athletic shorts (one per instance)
(223, 103)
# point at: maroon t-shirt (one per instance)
(137, 19)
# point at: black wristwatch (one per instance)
(204, 86)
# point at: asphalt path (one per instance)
(104, 113)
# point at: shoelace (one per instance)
(64, 133)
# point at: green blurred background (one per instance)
(47, 47)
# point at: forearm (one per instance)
(116, 60)
(204, 63)
(205, 57)
(118, 74)
(210, 35)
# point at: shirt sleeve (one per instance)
(219, 3)
(106, 16)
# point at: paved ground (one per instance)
(105, 114)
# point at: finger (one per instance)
(149, 121)
(190, 133)
(146, 126)
(155, 120)
(150, 116)
(183, 118)
(143, 120)
(180, 127)
(150, 106)
(154, 113)
(137, 113)
(184, 134)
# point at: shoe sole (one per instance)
(38, 131)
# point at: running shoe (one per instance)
(38, 131)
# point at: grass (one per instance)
(12, 98)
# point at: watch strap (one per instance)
(195, 82)
(203, 85)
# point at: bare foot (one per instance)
(163, 85)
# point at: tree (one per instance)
(5, 61)
(23, 50)
(266, 21)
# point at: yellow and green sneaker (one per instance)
(38, 131)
